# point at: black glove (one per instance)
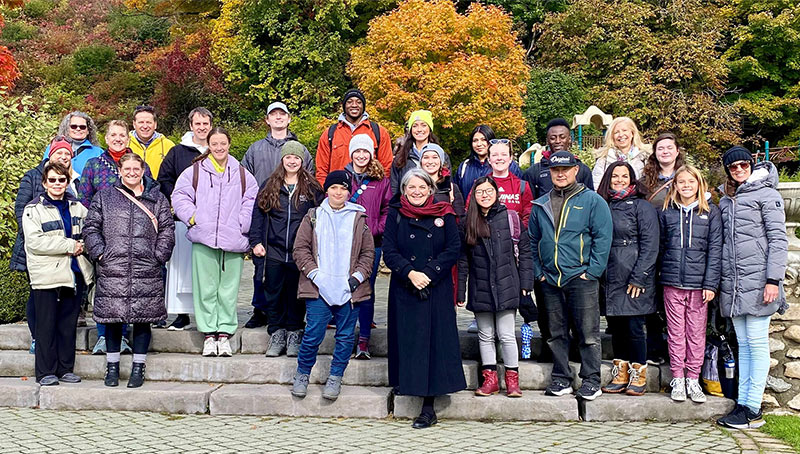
(354, 283)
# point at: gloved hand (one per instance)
(354, 283)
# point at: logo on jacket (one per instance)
(438, 222)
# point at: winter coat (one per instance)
(48, 249)
(129, 253)
(424, 352)
(337, 158)
(276, 229)
(100, 173)
(472, 168)
(81, 153)
(632, 259)
(375, 198)
(755, 247)
(178, 159)
(495, 279)
(362, 256)
(580, 244)
(264, 156)
(538, 176)
(691, 248)
(637, 162)
(155, 153)
(444, 190)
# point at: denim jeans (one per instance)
(318, 314)
(752, 334)
(366, 310)
(575, 302)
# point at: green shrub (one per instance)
(37, 9)
(551, 94)
(93, 59)
(14, 290)
(243, 136)
(309, 125)
(122, 25)
(785, 177)
(18, 31)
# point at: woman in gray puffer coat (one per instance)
(754, 258)
(130, 234)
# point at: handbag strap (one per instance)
(139, 204)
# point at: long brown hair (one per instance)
(401, 158)
(269, 198)
(652, 169)
(476, 226)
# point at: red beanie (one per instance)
(59, 143)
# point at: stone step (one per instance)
(532, 406)
(19, 392)
(186, 341)
(17, 337)
(353, 402)
(652, 406)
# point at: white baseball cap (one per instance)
(277, 105)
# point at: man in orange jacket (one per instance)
(333, 152)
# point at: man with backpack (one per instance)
(333, 149)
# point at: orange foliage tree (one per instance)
(466, 69)
(8, 66)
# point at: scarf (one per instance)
(619, 195)
(428, 209)
(115, 155)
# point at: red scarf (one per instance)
(115, 155)
(428, 209)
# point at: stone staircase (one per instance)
(179, 380)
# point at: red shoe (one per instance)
(512, 384)
(490, 384)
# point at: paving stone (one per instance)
(652, 406)
(532, 406)
(15, 392)
(354, 401)
(152, 396)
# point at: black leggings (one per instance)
(141, 337)
(628, 338)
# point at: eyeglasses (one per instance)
(81, 127)
(739, 165)
(56, 180)
(503, 141)
(482, 192)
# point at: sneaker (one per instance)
(224, 347)
(210, 346)
(100, 346)
(125, 347)
(526, 332)
(49, 380)
(159, 325)
(557, 388)
(293, 341)
(258, 320)
(32, 350)
(754, 420)
(362, 350)
(736, 419)
(678, 393)
(694, 391)
(589, 391)
(332, 387)
(69, 377)
(473, 326)
(300, 385)
(180, 323)
(277, 343)
(656, 361)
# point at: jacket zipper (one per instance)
(288, 223)
(581, 249)
(733, 240)
(561, 222)
(219, 208)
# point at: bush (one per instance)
(14, 290)
(551, 94)
(93, 59)
(124, 26)
(37, 9)
(17, 31)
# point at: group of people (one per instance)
(156, 228)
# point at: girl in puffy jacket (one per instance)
(214, 198)
(691, 251)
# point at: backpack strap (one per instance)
(377, 131)
(242, 179)
(516, 231)
(195, 175)
(312, 216)
(522, 184)
(331, 130)
(462, 170)
(142, 207)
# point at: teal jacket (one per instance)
(579, 244)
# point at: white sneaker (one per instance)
(695, 391)
(224, 347)
(210, 346)
(678, 393)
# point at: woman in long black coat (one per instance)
(129, 247)
(630, 276)
(421, 244)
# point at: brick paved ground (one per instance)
(39, 431)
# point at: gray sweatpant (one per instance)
(503, 323)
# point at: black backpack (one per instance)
(376, 130)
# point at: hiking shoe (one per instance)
(100, 346)
(180, 323)
(258, 320)
(300, 385)
(557, 388)
(589, 391)
(69, 377)
(694, 390)
(32, 350)
(293, 341)
(224, 347)
(678, 393)
(473, 326)
(210, 346)
(736, 419)
(754, 419)
(362, 350)
(526, 333)
(49, 380)
(125, 347)
(277, 343)
(332, 387)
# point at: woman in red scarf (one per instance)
(421, 244)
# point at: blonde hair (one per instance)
(702, 187)
(608, 143)
(120, 123)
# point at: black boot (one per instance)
(112, 374)
(258, 319)
(137, 375)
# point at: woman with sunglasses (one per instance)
(419, 133)
(58, 272)
(80, 131)
(754, 255)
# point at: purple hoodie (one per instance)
(375, 198)
(221, 214)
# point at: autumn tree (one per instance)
(467, 69)
(9, 72)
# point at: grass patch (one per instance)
(784, 427)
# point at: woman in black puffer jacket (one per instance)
(630, 277)
(129, 247)
(498, 261)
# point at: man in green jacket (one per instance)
(571, 229)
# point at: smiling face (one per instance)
(485, 195)
(740, 171)
(431, 163)
(687, 186)
(62, 156)
(499, 158)
(361, 158)
(291, 163)
(337, 195)
(480, 145)
(144, 123)
(117, 138)
(200, 126)
(78, 128)
(623, 136)
(278, 119)
(563, 176)
(620, 178)
(353, 109)
(218, 145)
(558, 139)
(131, 172)
(420, 131)
(417, 191)
(666, 152)
(55, 184)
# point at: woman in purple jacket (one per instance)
(214, 198)
(372, 190)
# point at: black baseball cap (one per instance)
(563, 159)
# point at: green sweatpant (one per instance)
(215, 288)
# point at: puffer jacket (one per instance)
(691, 248)
(220, 209)
(129, 284)
(264, 156)
(632, 260)
(48, 249)
(495, 279)
(754, 245)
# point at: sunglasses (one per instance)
(81, 127)
(56, 180)
(503, 141)
(739, 165)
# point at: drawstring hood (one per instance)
(688, 212)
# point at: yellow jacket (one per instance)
(155, 152)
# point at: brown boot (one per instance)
(512, 384)
(490, 383)
(620, 377)
(638, 381)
